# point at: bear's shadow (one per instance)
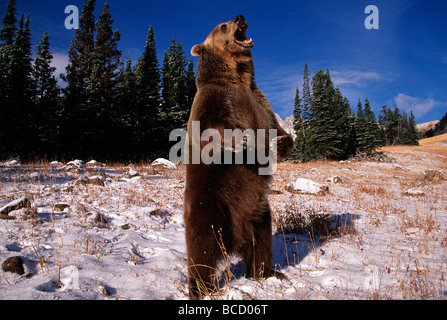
(289, 249)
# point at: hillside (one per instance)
(440, 140)
(424, 127)
(91, 231)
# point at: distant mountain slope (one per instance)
(287, 124)
(424, 127)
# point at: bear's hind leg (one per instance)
(258, 256)
(204, 237)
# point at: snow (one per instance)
(125, 239)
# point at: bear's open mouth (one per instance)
(239, 37)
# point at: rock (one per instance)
(14, 265)
(12, 162)
(164, 163)
(15, 205)
(125, 226)
(77, 163)
(75, 166)
(414, 193)
(376, 157)
(94, 180)
(80, 182)
(132, 173)
(334, 179)
(306, 186)
(100, 218)
(97, 181)
(94, 164)
(61, 206)
(431, 176)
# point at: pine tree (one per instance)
(190, 87)
(77, 135)
(102, 86)
(307, 95)
(344, 124)
(441, 126)
(301, 151)
(7, 35)
(373, 130)
(17, 90)
(298, 120)
(413, 132)
(174, 87)
(148, 124)
(127, 114)
(325, 138)
(361, 128)
(383, 124)
(396, 126)
(46, 99)
(9, 20)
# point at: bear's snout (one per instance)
(240, 21)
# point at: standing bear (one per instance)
(226, 209)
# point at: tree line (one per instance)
(110, 109)
(117, 110)
(328, 129)
(439, 128)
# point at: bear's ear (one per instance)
(196, 51)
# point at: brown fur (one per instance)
(227, 204)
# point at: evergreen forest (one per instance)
(328, 129)
(109, 110)
(118, 110)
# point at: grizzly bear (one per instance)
(226, 209)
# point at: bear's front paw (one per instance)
(284, 146)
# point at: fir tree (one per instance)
(190, 87)
(148, 125)
(298, 120)
(301, 151)
(395, 126)
(127, 114)
(325, 138)
(367, 129)
(383, 124)
(77, 115)
(9, 20)
(174, 87)
(373, 129)
(17, 90)
(360, 128)
(103, 85)
(441, 126)
(307, 94)
(46, 99)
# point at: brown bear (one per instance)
(226, 209)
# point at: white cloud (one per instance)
(354, 77)
(419, 106)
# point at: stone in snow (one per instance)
(306, 186)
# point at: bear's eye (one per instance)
(223, 27)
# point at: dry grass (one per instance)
(367, 222)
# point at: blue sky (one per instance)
(403, 63)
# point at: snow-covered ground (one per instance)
(116, 232)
